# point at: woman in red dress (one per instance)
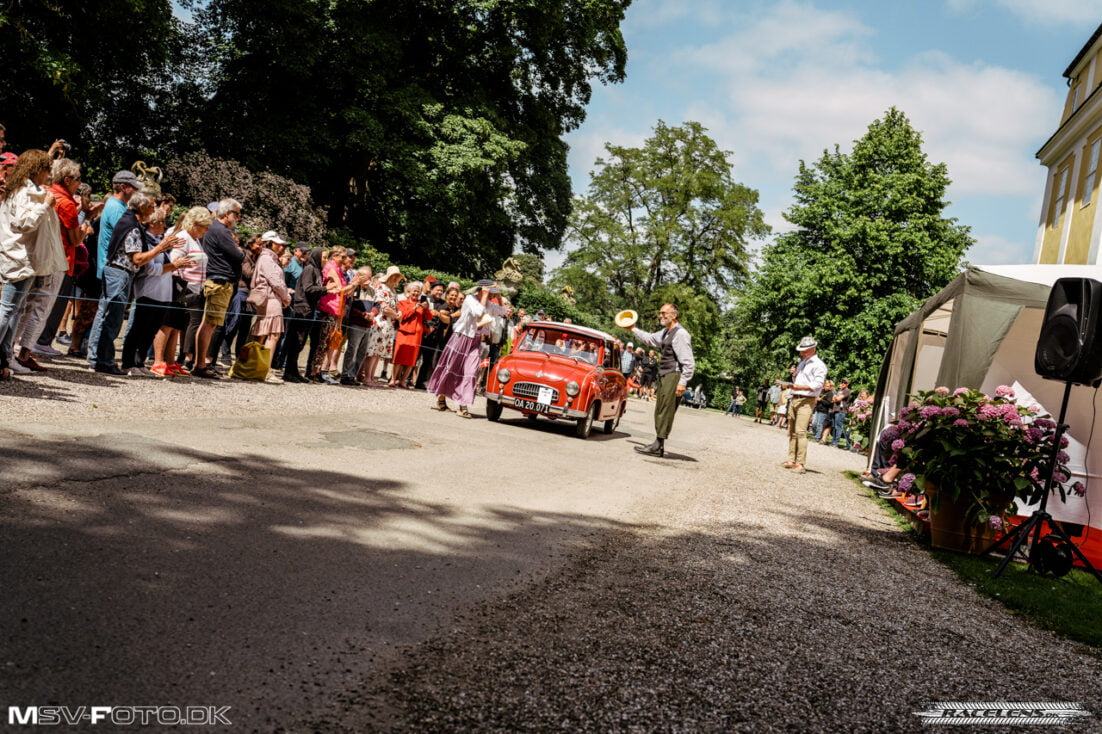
(413, 315)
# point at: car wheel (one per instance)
(585, 425)
(493, 410)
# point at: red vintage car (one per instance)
(560, 371)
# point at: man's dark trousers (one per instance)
(665, 404)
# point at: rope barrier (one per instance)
(166, 305)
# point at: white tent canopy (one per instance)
(981, 331)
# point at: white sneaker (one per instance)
(46, 351)
(17, 368)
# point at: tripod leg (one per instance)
(1022, 531)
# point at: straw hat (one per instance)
(391, 272)
(626, 319)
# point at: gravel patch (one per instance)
(783, 608)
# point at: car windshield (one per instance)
(561, 343)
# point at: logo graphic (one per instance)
(1003, 713)
(118, 715)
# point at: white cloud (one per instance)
(1047, 12)
(650, 13)
(791, 95)
(993, 249)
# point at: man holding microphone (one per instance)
(806, 385)
(675, 368)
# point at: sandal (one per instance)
(464, 413)
(441, 405)
(787, 464)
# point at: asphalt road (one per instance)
(308, 553)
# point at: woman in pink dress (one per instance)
(268, 279)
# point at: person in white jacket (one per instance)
(27, 218)
(50, 265)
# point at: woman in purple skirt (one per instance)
(457, 371)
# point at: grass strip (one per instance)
(1070, 606)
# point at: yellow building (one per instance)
(1071, 226)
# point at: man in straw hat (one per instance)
(457, 370)
(806, 385)
(675, 368)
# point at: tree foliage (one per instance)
(663, 222)
(100, 75)
(431, 127)
(870, 244)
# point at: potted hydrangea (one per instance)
(975, 455)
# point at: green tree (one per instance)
(100, 75)
(663, 222)
(668, 212)
(433, 128)
(870, 244)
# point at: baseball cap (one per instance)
(127, 178)
(271, 236)
(8, 159)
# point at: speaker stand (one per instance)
(1033, 525)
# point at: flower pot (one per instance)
(952, 529)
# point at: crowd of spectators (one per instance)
(193, 295)
(189, 294)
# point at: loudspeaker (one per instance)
(1070, 345)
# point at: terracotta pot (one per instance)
(952, 529)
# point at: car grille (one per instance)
(531, 390)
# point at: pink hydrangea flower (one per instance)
(906, 482)
(1033, 435)
(961, 391)
(950, 412)
(898, 444)
(930, 411)
(987, 412)
(1079, 488)
(1063, 457)
(941, 390)
(961, 423)
(995, 521)
(1004, 391)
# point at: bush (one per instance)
(534, 298)
(269, 201)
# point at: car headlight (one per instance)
(503, 376)
(572, 388)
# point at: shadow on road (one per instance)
(153, 574)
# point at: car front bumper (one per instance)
(555, 410)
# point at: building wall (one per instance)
(1071, 228)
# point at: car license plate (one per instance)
(534, 406)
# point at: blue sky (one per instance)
(776, 82)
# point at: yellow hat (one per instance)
(626, 319)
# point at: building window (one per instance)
(1092, 172)
(1058, 193)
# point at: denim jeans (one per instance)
(841, 430)
(354, 351)
(109, 318)
(819, 421)
(11, 308)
